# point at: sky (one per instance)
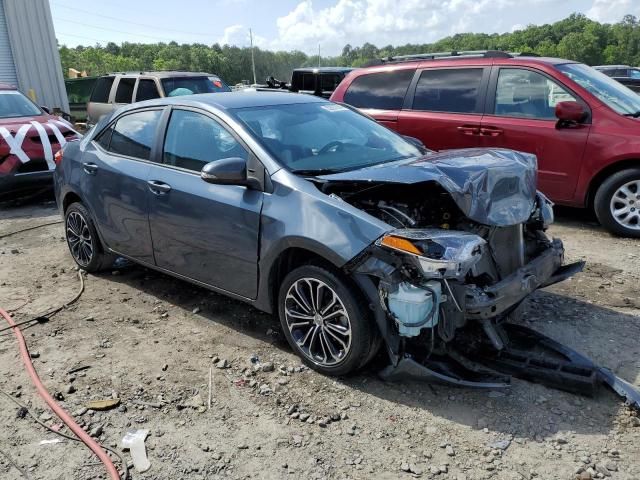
(305, 24)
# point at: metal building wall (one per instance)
(7, 67)
(35, 51)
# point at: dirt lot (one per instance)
(150, 341)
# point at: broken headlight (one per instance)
(440, 253)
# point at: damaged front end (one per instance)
(466, 248)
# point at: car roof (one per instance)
(324, 69)
(162, 74)
(521, 59)
(611, 66)
(231, 100)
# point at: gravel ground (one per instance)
(151, 341)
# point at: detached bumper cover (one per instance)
(544, 270)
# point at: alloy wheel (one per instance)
(625, 205)
(79, 239)
(318, 321)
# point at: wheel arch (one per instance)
(606, 172)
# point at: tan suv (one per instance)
(117, 89)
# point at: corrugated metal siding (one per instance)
(7, 67)
(35, 51)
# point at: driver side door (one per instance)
(205, 232)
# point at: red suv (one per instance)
(583, 126)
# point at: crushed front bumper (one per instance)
(496, 299)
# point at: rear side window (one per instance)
(124, 93)
(133, 134)
(147, 90)
(105, 138)
(102, 89)
(449, 90)
(384, 90)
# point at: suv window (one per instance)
(329, 82)
(124, 93)
(133, 134)
(524, 93)
(449, 90)
(384, 90)
(101, 90)
(193, 140)
(147, 90)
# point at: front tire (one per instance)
(83, 241)
(325, 320)
(617, 203)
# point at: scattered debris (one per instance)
(134, 442)
(106, 404)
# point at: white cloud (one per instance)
(239, 35)
(609, 11)
(384, 22)
(396, 22)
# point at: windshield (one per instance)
(614, 94)
(322, 137)
(176, 86)
(15, 104)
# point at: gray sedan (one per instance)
(355, 236)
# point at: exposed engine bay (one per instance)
(465, 248)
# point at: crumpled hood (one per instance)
(490, 186)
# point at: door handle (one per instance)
(90, 168)
(491, 131)
(159, 188)
(469, 130)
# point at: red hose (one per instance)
(57, 409)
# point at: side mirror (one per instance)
(416, 142)
(570, 112)
(226, 171)
(45, 109)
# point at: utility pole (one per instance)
(253, 62)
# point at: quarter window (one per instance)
(105, 138)
(101, 90)
(147, 90)
(527, 94)
(384, 90)
(193, 140)
(449, 90)
(124, 93)
(133, 134)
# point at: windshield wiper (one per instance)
(316, 171)
(634, 114)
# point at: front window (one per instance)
(15, 104)
(528, 94)
(615, 95)
(177, 86)
(193, 140)
(317, 138)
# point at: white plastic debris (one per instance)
(134, 442)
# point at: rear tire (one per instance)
(617, 203)
(326, 321)
(83, 241)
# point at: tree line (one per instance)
(575, 38)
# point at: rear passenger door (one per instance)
(444, 107)
(380, 94)
(113, 181)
